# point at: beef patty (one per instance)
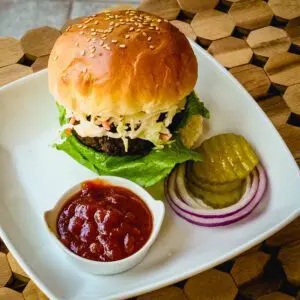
(113, 146)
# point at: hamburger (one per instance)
(123, 82)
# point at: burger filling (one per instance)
(135, 134)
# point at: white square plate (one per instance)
(34, 175)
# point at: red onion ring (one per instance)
(209, 213)
(218, 219)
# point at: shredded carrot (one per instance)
(68, 131)
(164, 136)
(72, 120)
(106, 125)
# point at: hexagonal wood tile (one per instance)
(39, 42)
(168, 9)
(285, 9)
(194, 6)
(278, 112)
(253, 78)
(249, 267)
(268, 41)
(11, 51)
(251, 14)
(284, 68)
(231, 51)
(185, 28)
(211, 284)
(211, 25)
(167, 293)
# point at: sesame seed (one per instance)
(55, 57)
(144, 33)
(131, 28)
(84, 26)
(92, 29)
(93, 16)
(138, 30)
(82, 52)
(122, 46)
(157, 28)
(151, 47)
(94, 33)
(114, 41)
(101, 43)
(140, 25)
(103, 35)
(93, 50)
(81, 32)
(104, 38)
(127, 36)
(122, 23)
(76, 44)
(149, 38)
(107, 47)
(159, 20)
(111, 23)
(117, 24)
(121, 20)
(151, 27)
(94, 39)
(89, 39)
(165, 20)
(107, 19)
(79, 26)
(91, 55)
(152, 24)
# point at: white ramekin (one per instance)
(156, 207)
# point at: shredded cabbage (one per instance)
(140, 125)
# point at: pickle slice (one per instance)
(215, 188)
(217, 200)
(226, 157)
(211, 187)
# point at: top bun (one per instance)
(121, 63)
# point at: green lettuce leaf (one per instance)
(61, 114)
(144, 170)
(194, 107)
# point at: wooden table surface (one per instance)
(259, 42)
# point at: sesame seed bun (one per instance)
(121, 63)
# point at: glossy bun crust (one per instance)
(121, 63)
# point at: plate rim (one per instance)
(191, 271)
